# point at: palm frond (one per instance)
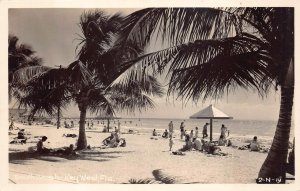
(23, 75)
(162, 177)
(207, 67)
(142, 181)
(176, 25)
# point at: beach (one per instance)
(140, 159)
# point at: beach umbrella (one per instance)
(211, 113)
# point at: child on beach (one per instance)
(196, 132)
(171, 143)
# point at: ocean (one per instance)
(237, 127)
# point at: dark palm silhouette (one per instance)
(212, 51)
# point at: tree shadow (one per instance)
(98, 156)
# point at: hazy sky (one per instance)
(52, 33)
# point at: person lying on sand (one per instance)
(66, 151)
(40, 146)
(108, 139)
(70, 135)
(214, 150)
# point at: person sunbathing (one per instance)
(67, 151)
(108, 139)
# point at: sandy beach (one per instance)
(140, 159)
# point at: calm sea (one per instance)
(238, 127)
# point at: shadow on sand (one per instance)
(25, 157)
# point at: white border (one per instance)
(5, 5)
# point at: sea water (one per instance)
(237, 127)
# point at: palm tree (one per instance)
(98, 66)
(46, 92)
(88, 80)
(212, 51)
(20, 56)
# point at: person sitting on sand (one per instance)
(21, 135)
(154, 133)
(122, 142)
(11, 126)
(113, 142)
(198, 145)
(188, 144)
(40, 146)
(222, 141)
(254, 145)
(165, 134)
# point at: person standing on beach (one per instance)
(204, 131)
(171, 143)
(171, 129)
(182, 130)
(223, 131)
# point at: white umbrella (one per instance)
(211, 113)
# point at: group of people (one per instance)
(199, 145)
(114, 140)
(254, 146)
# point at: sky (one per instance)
(52, 33)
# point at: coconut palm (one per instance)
(46, 92)
(212, 51)
(99, 65)
(21, 57)
(88, 80)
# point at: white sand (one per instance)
(137, 160)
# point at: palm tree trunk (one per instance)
(107, 125)
(82, 142)
(274, 165)
(58, 116)
(31, 115)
